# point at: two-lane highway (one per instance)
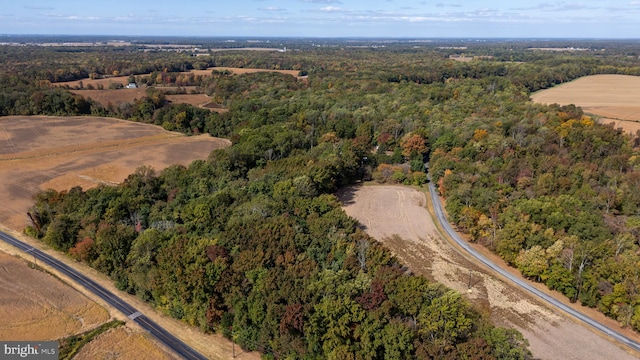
(154, 329)
(522, 283)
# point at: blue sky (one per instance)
(325, 18)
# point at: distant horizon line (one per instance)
(320, 37)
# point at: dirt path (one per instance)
(397, 216)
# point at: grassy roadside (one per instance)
(71, 345)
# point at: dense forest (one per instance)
(252, 243)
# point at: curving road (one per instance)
(520, 282)
(154, 329)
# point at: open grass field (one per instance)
(40, 152)
(397, 216)
(612, 97)
(36, 306)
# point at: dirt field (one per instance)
(36, 306)
(240, 71)
(613, 97)
(121, 96)
(131, 345)
(38, 152)
(113, 96)
(630, 127)
(124, 80)
(385, 211)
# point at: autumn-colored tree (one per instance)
(83, 250)
(413, 145)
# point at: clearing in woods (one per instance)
(613, 97)
(398, 217)
(118, 96)
(124, 80)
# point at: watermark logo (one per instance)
(41, 350)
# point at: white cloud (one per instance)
(330, 9)
(271, 9)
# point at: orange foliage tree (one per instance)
(413, 144)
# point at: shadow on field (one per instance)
(347, 195)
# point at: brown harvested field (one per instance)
(124, 80)
(385, 211)
(613, 97)
(40, 152)
(630, 127)
(113, 96)
(198, 100)
(240, 71)
(120, 96)
(123, 343)
(36, 306)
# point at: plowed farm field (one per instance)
(39, 152)
(36, 306)
(131, 345)
(614, 98)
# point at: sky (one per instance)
(609, 19)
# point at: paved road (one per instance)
(521, 283)
(154, 329)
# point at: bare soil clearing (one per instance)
(385, 211)
(112, 96)
(614, 97)
(198, 100)
(39, 152)
(36, 306)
